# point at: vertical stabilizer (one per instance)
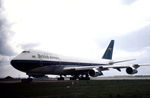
(109, 51)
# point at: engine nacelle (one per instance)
(95, 73)
(131, 70)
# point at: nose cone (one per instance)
(14, 63)
(17, 64)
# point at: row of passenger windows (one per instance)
(43, 56)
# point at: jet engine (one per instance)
(95, 73)
(131, 70)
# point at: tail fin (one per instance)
(109, 51)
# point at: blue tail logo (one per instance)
(109, 51)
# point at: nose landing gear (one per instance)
(61, 78)
(28, 80)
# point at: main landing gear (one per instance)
(75, 77)
(81, 77)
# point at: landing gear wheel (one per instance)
(86, 77)
(73, 78)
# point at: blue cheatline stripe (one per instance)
(54, 62)
(25, 65)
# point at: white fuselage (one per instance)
(37, 62)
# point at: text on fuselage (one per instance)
(47, 56)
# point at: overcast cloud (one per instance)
(135, 41)
(80, 28)
(5, 35)
(6, 50)
(128, 2)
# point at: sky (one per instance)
(78, 28)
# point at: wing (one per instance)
(125, 66)
(104, 66)
(130, 69)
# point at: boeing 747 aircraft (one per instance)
(38, 64)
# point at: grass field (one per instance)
(77, 89)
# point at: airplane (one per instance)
(38, 64)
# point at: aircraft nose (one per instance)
(16, 64)
(12, 62)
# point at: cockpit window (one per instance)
(25, 51)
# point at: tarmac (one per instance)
(67, 79)
(99, 87)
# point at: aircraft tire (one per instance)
(84, 78)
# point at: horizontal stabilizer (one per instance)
(113, 62)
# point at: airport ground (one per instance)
(103, 88)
